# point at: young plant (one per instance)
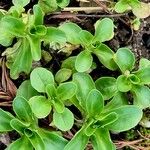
(91, 44)
(133, 81)
(30, 32)
(139, 9)
(26, 124)
(42, 80)
(99, 119)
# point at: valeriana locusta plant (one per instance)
(130, 80)
(29, 32)
(91, 44)
(139, 9)
(100, 119)
(55, 97)
(26, 125)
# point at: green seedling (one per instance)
(139, 9)
(91, 44)
(99, 119)
(26, 124)
(133, 81)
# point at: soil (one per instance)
(125, 36)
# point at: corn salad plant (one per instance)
(70, 98)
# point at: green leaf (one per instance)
(58, 105)
(23, 60)
(123, 83)
(26, 91)
(104, 30)
(36, 141)
(38, 31)
(5, 118)
(144, 63)
(22, 143)
(144, 75)
(52, 140)
(63, 3)
(94, 103)
(101, 140)
(66, 90)
(85, 37)
(13, 26)
(73, 30)
(105, 56)
(19, 126)
(63, 121)
(79, 141)
(69, 63)
(35, 45)
(22, 109)
(141, 96)
(20, 2)
(41, 107)
(124, 122)
(83, 61)
(55, 35)
(38, 15)
(134, 79)
(122, 6)
(118, 100)
(107, 86)
(51, 91)
(84, 84)
(63, 75)
(48, 5)
(40, 78)
(106, 120)
(125, 59)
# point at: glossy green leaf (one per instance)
(22, 109)
(118, 100)
(63, 121)
(20, 2)
(101, 140)
(106, 120)
(38, 15)
(36, 141)
(134, 79)
(5, 118)
(144, 63)
(66, 90)
(51, 91)
(105, 56)
(123, 83)
(125, 59)
(63, 75)
(94, 103)
(41, 107)
(107, 86)
(125, 120)
(83, 61)
(84, 84)
(13, 26)
(144, 75)
(141, 96)
(22, 60)
(73, 30)
(48, 5)
(26, 90)
(58, 105)
(121, 6)
(38, 31)
(55, 35)
(52, 140)
(104, 30)
(19, 126)
(79, 141)
(89, 129)
(22, 143)
(40, 78)
(63, 3)
(85, 37)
